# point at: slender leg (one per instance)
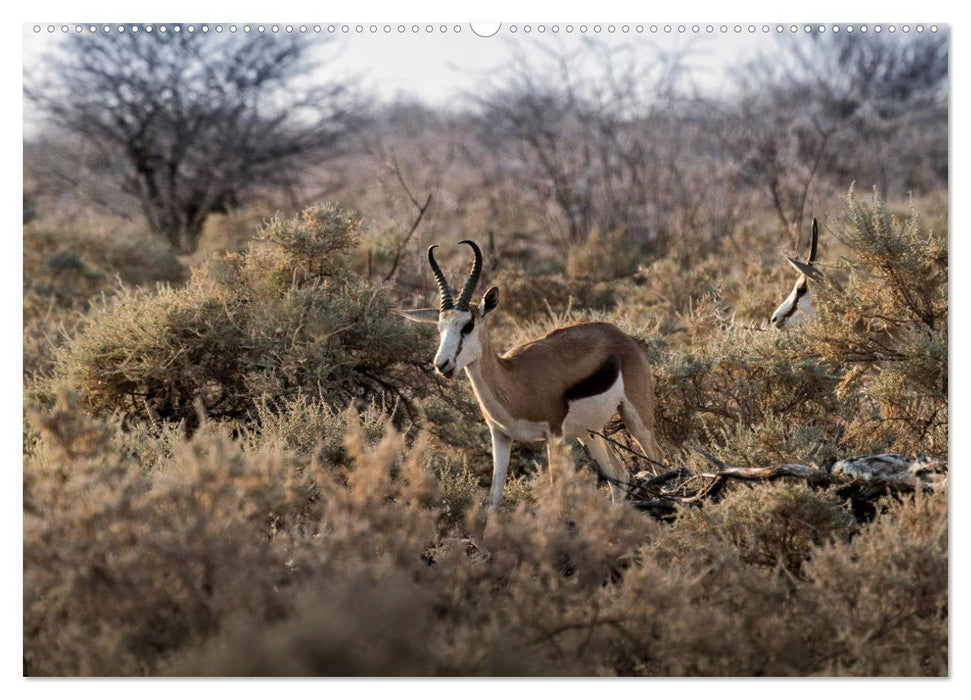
(637, 427)
(550, 459)
(500, 463)
(616, 473)
(555, 446)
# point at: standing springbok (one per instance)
(798, 306)
(566, 384)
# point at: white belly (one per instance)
(521, 430)
(593, 412)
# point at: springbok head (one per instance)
(798, 306)
(459, 323)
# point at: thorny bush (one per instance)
(199, 498)
(285, 319)
(223, 557)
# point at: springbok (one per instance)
(564, 385)
(798, 306)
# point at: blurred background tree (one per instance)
(189, 125)
(865, 108)
(620, 139)
(576, 129)
(562, 145)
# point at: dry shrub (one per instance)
(890, 328)
(870, 375)
(234, 229)
(453, 416)
(84, 259)
(311, 426)
(357, 600)
(707, 613)
(741, 380)
(311, 246)
(64, 268)
(526, 296)
(350, 625)
(605, 255)
(768, 525)
(460, 493)
(228, 557)
(121, 567)
(282, 320)
(675, 287)
(289, 536)
(887, 592)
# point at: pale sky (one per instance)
(437, 67)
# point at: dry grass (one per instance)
(220, 478)
(227, 558)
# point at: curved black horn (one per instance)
(473, 279)
(812, 247)
(444, 291)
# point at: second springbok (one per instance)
(798, 306)
(567, 384)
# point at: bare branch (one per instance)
(891, 471)
(200, 122)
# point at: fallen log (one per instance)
(892, 471)
(862, 480)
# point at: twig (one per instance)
(422, 208)
(628, 449)
(730, 322)
(664, 478)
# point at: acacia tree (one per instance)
(199, 121)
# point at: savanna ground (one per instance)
(237, 460)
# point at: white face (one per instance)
(459, 341)
(797, 307)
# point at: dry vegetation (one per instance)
(239, 462)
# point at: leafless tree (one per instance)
(891, 93)
(199, 122)
(615, 137)
(865, 108)
(578, 129)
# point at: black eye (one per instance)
(467, 328)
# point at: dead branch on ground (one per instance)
(866, 476)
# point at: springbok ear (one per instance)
(419, 315)
(490, 300)
(803, 268)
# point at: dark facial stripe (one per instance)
(597, 383)
(800, 292)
